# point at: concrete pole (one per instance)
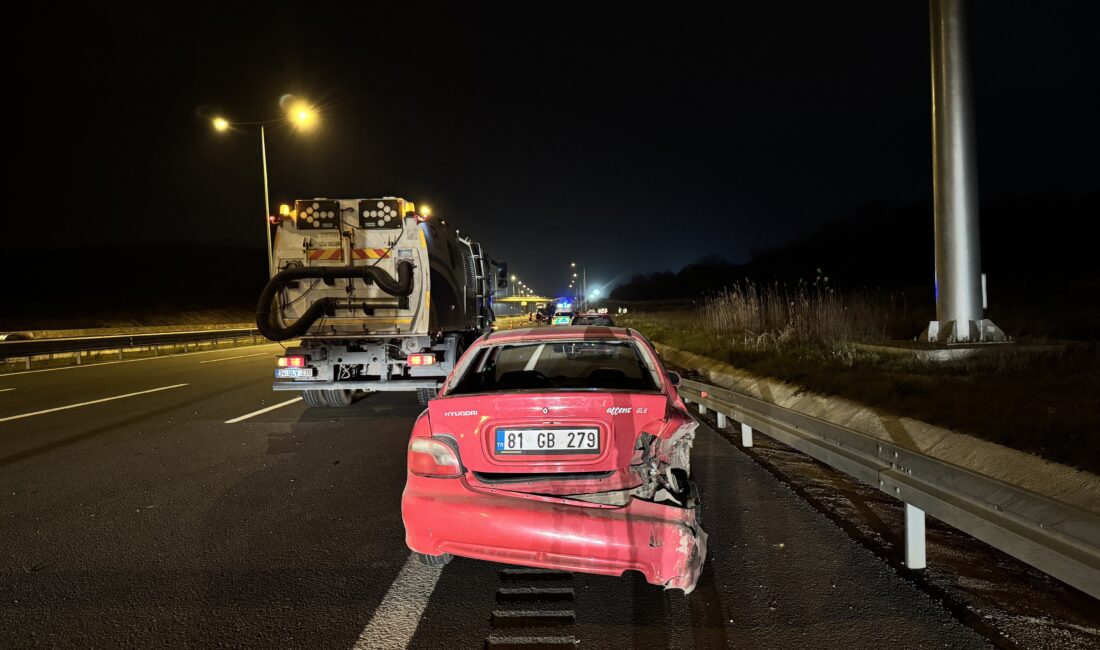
(959, 315)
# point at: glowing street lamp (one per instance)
(301, 115)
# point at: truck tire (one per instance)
(314, 398)
(339, 398)
(425, 394)
(434, 560)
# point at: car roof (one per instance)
(574, 332)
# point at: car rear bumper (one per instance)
(447, 516)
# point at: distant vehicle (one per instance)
(562, 317)
(565, 448)
(601, 320)
(382, 297)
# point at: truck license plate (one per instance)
(565, 440)
(294, 373)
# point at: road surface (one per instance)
(166, 503)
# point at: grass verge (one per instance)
(1040, 399)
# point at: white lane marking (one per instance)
(394, 622)
(95, 401)
(4, 390)
(111, 363)
(243, 356)
(263, 410)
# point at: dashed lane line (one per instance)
(4, 390)
(395, 621)
(242, 356)
(95, 401)
(263, 410)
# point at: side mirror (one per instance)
(675, 378)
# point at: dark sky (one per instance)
(630, 141)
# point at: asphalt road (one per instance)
(162, 519)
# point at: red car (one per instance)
(564, 448)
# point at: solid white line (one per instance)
(264, 410)
(394, 622)
(110, 363)
(95, 401)
(4, 390)
(243, 356)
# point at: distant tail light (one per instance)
(433, 458)
(291, 362)
(421, 359)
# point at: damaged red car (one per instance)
(564, 448)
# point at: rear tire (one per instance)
(425, 394)
(339, 398)
(434, 560)
(314, 398)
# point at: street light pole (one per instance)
(267, 205)
(301, 115)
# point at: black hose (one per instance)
(401, 287)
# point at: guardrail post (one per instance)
(721, 420)
(914, 538)
(702, 409)
(28, 363)
(746, 435)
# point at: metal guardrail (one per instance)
(1055, 537)
(37, 347)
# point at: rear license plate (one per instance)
(582, 440)
(293, 373)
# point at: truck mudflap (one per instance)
(663, 542)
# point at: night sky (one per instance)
(625, 140)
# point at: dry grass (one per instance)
(764, 317)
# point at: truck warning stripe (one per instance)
(357, 253)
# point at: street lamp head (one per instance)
(302, 115)
(221, 124)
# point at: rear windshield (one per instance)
(574, 365)
(593, 320)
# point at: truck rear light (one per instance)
(421, 359)
(291, 362)
(433, 458)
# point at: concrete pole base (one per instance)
(953, 331)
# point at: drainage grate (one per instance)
(531, 627)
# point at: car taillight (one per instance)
(291, 362)
(421, 359)
(433, 458)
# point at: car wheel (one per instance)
(339, 398)
(434, 560)
(314, 398)
(425, 394)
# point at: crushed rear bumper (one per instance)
(448, 516)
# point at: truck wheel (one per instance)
(425, 394)
(434, 560)
(339, 398)
(314, 398)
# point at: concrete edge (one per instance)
(145, 329)
(1054, 480)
